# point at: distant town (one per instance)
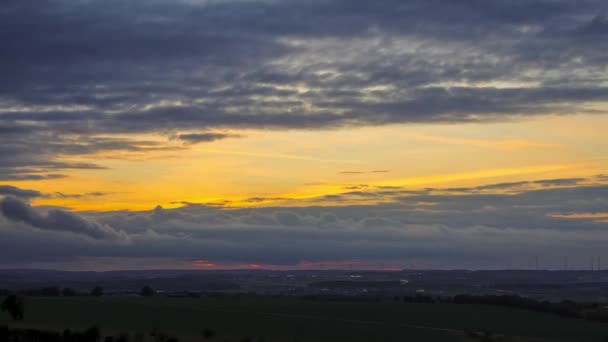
(580, 286)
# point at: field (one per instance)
(300, 320)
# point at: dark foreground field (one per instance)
(284, 319)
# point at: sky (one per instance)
(299, 134)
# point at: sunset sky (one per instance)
(288, 134)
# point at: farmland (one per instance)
(285, 319)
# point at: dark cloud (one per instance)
(498, 186)
(597, 26)
(19, 175)
(8, 190)
(287, 218)
(265, 199)
(559, 182)
(355, 187)
(195, 138)
(36, 156)
(57, 220)
(74, 71)
(517, 186)
(85, 195)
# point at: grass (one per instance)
(285, 319)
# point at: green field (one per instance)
(284, 319)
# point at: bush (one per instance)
(147, 291)
(68, 292)
(208, 333)
(15, 305)
(97, 291)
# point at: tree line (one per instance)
(92, 334)
(14, 302)
(567, 308)
(55, 291)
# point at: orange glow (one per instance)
(204, 264)
(581, 216)
(302, 265)
(297, 167)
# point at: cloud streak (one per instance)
(8, 190)
(58, 220)
(512, 144)
(196, 138)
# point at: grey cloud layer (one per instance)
(8, 190)
(57, 220)
(73, 70)
(441, 226)
(195, 138)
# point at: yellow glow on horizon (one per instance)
(307, 164)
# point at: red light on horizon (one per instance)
(204, 263)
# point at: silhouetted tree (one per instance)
(44, 292)
(160, 337)
(97, 291)
(15, 305)
(67, 335)
(147, 291)
(208, 333)
(4, 333)
(93, 334)
(123, 338)
(68, 292)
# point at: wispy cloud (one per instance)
(599, 217)
(204, 137)
(270, 155)
(510, 144)
(362, 172)
(477, 175)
